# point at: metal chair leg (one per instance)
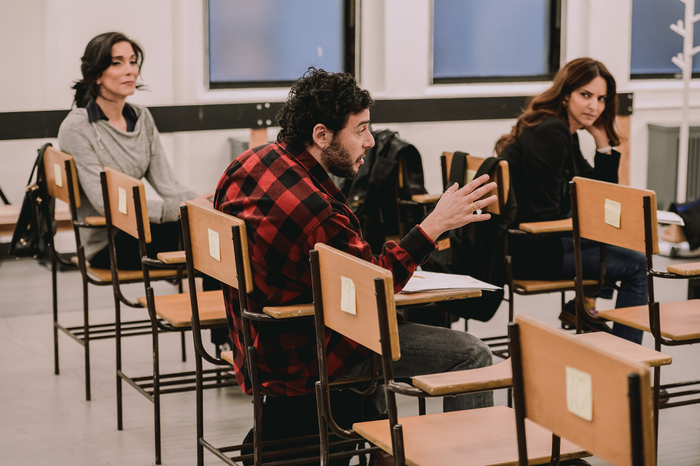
(86, 340)
(54, 293)
(156, 394)
(322, 428)
(118, 341)
(200, 408)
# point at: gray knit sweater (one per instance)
(138, 154)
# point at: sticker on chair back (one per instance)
(579, 393)
(122, 200)
(214, 250)
(347, 296)
(57, 175)
(613, 210)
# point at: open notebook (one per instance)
(434, 281)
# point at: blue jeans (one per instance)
(428, 350)
(623, 265)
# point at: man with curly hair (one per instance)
(289, 203)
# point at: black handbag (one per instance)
(35, 225)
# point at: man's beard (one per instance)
(338, 160)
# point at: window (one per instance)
(495, 40)
(653, 41)
(265, 43)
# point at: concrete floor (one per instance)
(45, 419)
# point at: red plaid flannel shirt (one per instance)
(289, 204)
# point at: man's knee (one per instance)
(485, 358)
(477, 353)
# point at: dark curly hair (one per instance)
(577, 73)
(320, 97)
(96, 59)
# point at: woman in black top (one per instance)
(543, 155)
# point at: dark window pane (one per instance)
(274, 40)
(491, 38)
(653, 41)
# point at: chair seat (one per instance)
(10, 213)
(552, 226)
(426, 198)
(176, 310)
(500, 375)
(483, 378)
(626, 348)
(537, 286)
(679, 321)
(687, 270)
(96, 221)
(125, 276)
(227, 356)
(474, 437)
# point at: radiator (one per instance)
(662, 170)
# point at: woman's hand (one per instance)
(456, 207)
(203, 200)
(598, 132)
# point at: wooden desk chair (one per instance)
(475, 437)
(126, 210)
(671, 324)
(472, 164)
(527, 287)
(594, 398)
(208, 250)
(62, 183)
(499, 344)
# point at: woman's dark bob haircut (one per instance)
(96, 59)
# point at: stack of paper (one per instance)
(433, 281)
(669, 218)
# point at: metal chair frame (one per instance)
(654, 309)
(258, 456)
(634, 399)
(87, 332)
(366, 387)
(157, 384)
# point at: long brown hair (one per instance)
(575, 74)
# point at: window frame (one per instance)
(349, 50)
(676, 75)
(553, 59)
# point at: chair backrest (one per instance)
(614, 214)
(349, 301)
(212, 249)
(561, 376)
(120, 192)
(501, 177)
(56, 166)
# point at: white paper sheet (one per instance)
(434, 281)
(669, 218)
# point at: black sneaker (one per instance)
(568, 320)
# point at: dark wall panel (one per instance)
(45, 124)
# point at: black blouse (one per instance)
(541, 162)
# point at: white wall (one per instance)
(41, 42)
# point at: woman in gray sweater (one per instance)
(105, 131)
